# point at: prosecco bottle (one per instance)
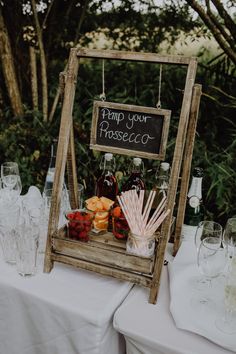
(194, 211)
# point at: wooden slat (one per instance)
(102, 255)
(62, 149)
(187, 160)
(175, 172)
(133, 56)
(72, 174)
(103, 270)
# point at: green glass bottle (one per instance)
(194, 211)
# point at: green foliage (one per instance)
(26, 140)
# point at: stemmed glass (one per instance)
(207, 228)
(211, 260)
(229, 237)
(227, 322)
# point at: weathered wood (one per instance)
(104, 270)
(174, 177)
(72, 174)
(62, 149)
(110, 256)
(187, 160)
(133, 56)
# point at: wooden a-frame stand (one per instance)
(105, 255)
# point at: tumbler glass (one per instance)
(26, 248)
(9, 219)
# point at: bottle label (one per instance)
(194, 201)
(196, 188)
(50, 175)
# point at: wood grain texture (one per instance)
(133, 56)
(187, 161)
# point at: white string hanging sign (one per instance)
(158, 105)
(103, 95)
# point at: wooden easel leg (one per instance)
(153, 294)
(48, 264)
(186, 167)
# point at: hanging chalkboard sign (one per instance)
(130, 130)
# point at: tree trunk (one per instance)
(34, 78)
(82, 16)
(43, 63)
(9, 69)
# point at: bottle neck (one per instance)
(163, 180)
(196, 188)
(108, 166)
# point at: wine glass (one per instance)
(229, 236)
(227, 322)
(205, 229)
(211, 260)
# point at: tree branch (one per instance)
(47, 14)
(216, 33)
(42, 61)
(217, 23)
(229, 23)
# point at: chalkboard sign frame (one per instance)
(121, 110)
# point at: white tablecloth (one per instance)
(150, 329)
(68, 311)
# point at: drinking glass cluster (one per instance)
(216, 255)
(19, 228)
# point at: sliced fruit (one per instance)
(101, 215)
(117, 212)
(107, 203)
(100, 224)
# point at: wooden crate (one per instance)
(104, 255)
(108, 252)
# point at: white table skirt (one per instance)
(150, 329)
(68, 311)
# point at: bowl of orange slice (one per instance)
(101, 207)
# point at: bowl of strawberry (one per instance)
(79, 224)
(120, 227)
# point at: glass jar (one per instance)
(140, 245)
(120, 227)
(79, 224)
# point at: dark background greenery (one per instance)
(27, 139)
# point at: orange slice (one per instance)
(100, 224)
(107, 203)
(101, 215)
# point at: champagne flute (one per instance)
(229, 237)
(227, 322)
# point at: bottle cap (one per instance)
(165, 166)
(108, 156)
(198, 172)
(137, 161)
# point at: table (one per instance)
(150, 329)
(68, 311)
